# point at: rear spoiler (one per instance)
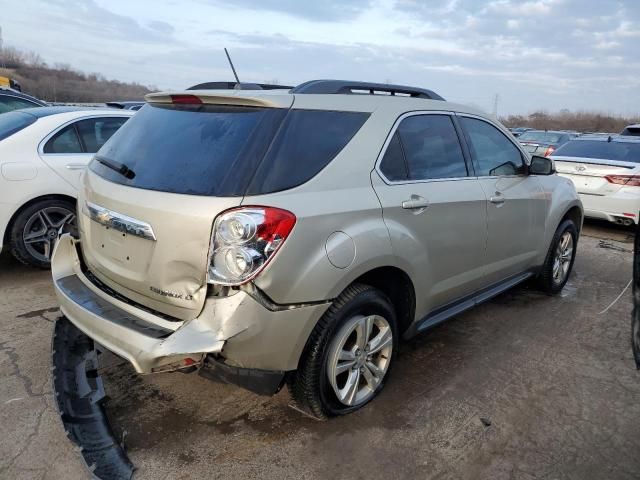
(230, 97)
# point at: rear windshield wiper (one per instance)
(121, 168)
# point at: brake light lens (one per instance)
(186, 99)
(244, 240)
(627, 180)
(549, 151)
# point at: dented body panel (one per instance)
(249, 334)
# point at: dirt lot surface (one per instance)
(525, 386)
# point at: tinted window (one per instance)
(95, 132)
(623, 151)
(493, 152)
(431, 147)
(9, 103)
(191, 149)
(307, 141)
(393, 164)
(13, 122)
(65, 141)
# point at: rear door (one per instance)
(69, 149)
(516, 205)
(434, 207)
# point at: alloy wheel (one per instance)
(562, 259)
(359, 358)
(40, 233)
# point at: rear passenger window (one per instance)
(65, 141)
(95, 132)
(393, 164)
(494, 153)
(431, 147)
(306, 142)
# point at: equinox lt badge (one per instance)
(167, 293)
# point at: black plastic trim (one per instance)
(262, 382)
(347, 87)
(465, 303)
(79, 395)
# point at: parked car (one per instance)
(43, 153)
(11, 99)
(517, 131)
(543, 142)
(606, 173)
(631, 130)
(128, 105)
(297, 235)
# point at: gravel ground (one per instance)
(524, 386)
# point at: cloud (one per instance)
(322, 11)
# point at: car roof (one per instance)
(16, 93)
(41, 112)
(609, 138)
(559, 132)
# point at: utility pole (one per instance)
(495, 105)
(1, 50)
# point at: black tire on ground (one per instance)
(546, 280)
(309, 386)
(17, 244)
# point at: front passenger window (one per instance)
(493, 152)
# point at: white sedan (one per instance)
(43, 153)
(606, 173)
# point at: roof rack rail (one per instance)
(349, 87)
(238, 86)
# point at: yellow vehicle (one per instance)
(9, 83)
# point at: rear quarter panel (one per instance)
(339, 199)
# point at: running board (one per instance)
(456, 308)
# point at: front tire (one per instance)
(348, 356)
(34, 231)
(560, 257)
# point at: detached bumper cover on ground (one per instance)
(79, 395)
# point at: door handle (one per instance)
(415, 202)
(497, 199)
(75, 166)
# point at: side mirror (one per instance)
(541, 166)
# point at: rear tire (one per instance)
(560, 257)
(342, 369)
(34, 231)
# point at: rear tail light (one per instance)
(627, 180)
(244, 240)
(549, 151)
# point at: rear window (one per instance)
(543, 137)
(621, 151)
(224, 151)
(13, 122)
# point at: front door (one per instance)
(516, 204)
(434, 207)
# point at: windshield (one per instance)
(13, 122)
(621, 151)
(222, 150)
(542, 137)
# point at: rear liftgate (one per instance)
(79, 397)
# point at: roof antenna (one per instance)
(232, 67)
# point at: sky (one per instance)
(524, 55)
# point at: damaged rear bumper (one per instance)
(237, 330)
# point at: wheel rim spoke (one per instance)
(382, 340)
(348, 393)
